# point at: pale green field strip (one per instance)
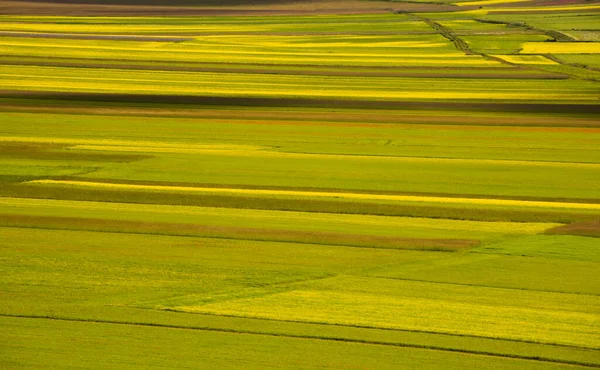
(545, 317)
(53, 341)
(561, 48)
(388, 53)
(246, 85)
(506, 44)
(553, 21)
(148, 267)
(539, 183)
(256, 45)
(301, 221)
(216, 29)
(575, 248)
(411, 177)
(501, 349)
(589, 60)
(211, 25)
(563, 264)
(473, 72)
(287, 135)
(249, 151)
(201, 20)
(296, 193)
(205, 48)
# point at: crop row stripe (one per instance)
(295, 193)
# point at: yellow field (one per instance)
(526, 59)
(561, 48)
(368, 302)
(292, 193)
(488, 2)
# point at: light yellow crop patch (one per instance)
(526, 59)
(422, 306)
(295, 193)
(561, 48)
(488, 2)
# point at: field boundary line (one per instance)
(313, 337)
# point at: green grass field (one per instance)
(414, 185)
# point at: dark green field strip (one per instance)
(43, 320)
(238, 233)
(384, 71)
(301, 117)
(304, 205)
(302, 103)
(589, 228)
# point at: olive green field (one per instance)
(316, 184)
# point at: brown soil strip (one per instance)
(307, 7)
(302, 103)
(94, 37)
(43, 151)
(294, 236)
(589, 228)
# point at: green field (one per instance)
(356, 185)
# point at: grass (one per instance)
(589, 60)
(234, 269)
(552, 21)
(282, 191)
(163, 346)
(508, 44)
(286, 222)
(372, 302)
(556, 246)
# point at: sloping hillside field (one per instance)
(333, 184)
